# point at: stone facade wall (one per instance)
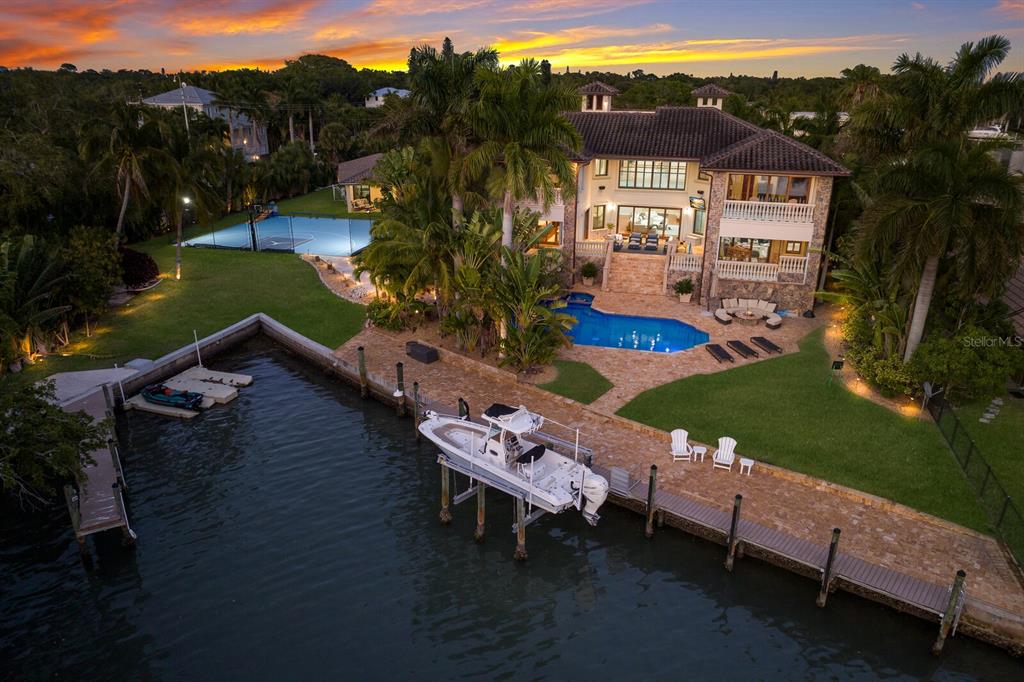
(789, 295)
(676, 275)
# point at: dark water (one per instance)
(294, 534)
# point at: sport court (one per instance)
(322, 236)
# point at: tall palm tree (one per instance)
(949, 202)
(860, 83)
(525, 138)
(444, 88)
(30, 275)
(129, 147)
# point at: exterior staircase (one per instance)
(636, 273)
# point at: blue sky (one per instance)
(712, 37)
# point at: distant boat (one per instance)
(158, 394)
(499, 454)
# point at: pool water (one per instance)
(656, 334)
(298, 234)
(293, 534)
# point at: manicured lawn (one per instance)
(579, 381)
(1000, 442)
(782, 411)
(218, 288)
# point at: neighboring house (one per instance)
(376, 98)
(244, 136)
(353, 178)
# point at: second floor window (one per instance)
(773, 188)
(600, 168)
(637, 174)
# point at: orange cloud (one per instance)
(227, 18)
(555, 10)
(1013, 8)
(533, 40)
(413, 8)
(77, 20)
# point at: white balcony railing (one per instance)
(793, 265)
(768, 211)
(747, 270)
(690, 262)
(591, 248)
(537, 203)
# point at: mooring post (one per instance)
(463, 408)
(955, 594)
(400, 391)
(826, 574)
(652, 485)
(730, 557)
(520, 553)
(416, 410)
(446, 514)
(481, 493)
(364, 386)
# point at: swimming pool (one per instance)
(294, 234)
(656, 334)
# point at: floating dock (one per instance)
(216, 388)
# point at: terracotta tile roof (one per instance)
(1014, 297)
(598, 88)
(711, 90)
(357, 170)
(771, 151)
(696, 133)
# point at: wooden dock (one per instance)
(871, 580)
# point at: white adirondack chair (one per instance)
(682, 450)
(726, 453)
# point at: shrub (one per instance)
(396, 315)
(684, 286)
(972, 364)
(589, 269)
(139, 269)
(889, 375)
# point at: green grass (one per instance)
(783, 412)
(218, 288)
(578, 381)
(1001, 442)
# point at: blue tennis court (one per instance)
(293, 234)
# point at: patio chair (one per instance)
(742, 349)
(725, 455)
(765, 345)
(635, 242)
(681, 448)
(774, 321)
(718, 353)
(722, 316)
(652, 242)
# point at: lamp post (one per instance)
(177, 252)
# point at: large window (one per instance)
(597, 217)
(772, 188)
(645, 218)
(636, 174)
(600, 168)
(758, 250)
(361, 192)
(552, 233)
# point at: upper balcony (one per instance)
(768, 211)
(555, 211)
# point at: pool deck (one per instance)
(881, 540)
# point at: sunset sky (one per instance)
(797, 37)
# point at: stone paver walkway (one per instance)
(875, 530)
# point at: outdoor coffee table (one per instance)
(748, 316)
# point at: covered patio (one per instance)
(354, 184)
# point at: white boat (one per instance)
(501, 454)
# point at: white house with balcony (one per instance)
(695, 192)
(244, 134)
(378, 97)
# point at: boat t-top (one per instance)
(501, 454)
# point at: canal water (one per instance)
(294, 534)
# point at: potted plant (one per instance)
(684, 288)
(588, 272)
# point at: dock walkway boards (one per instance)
(880, 580)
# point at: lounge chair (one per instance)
(718, 353)
(725, 455)
(635, 242)
(651, 244)
(682, 450)
(742, 349)
(722, 316)
(765, 345)
(773, 321)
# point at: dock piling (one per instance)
(416, 410)
(446, 514)
(951, 615)
(730, 556)
(520, 553)
(364, 386)
(652, 485)
(478, 534)
(826, 574)
(400, 391)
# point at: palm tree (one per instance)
(860, 83)
(131, 149)
(30, 275)
(444, 87)
(525, 138)
(952, 201)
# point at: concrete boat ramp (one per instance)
(216, 388)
